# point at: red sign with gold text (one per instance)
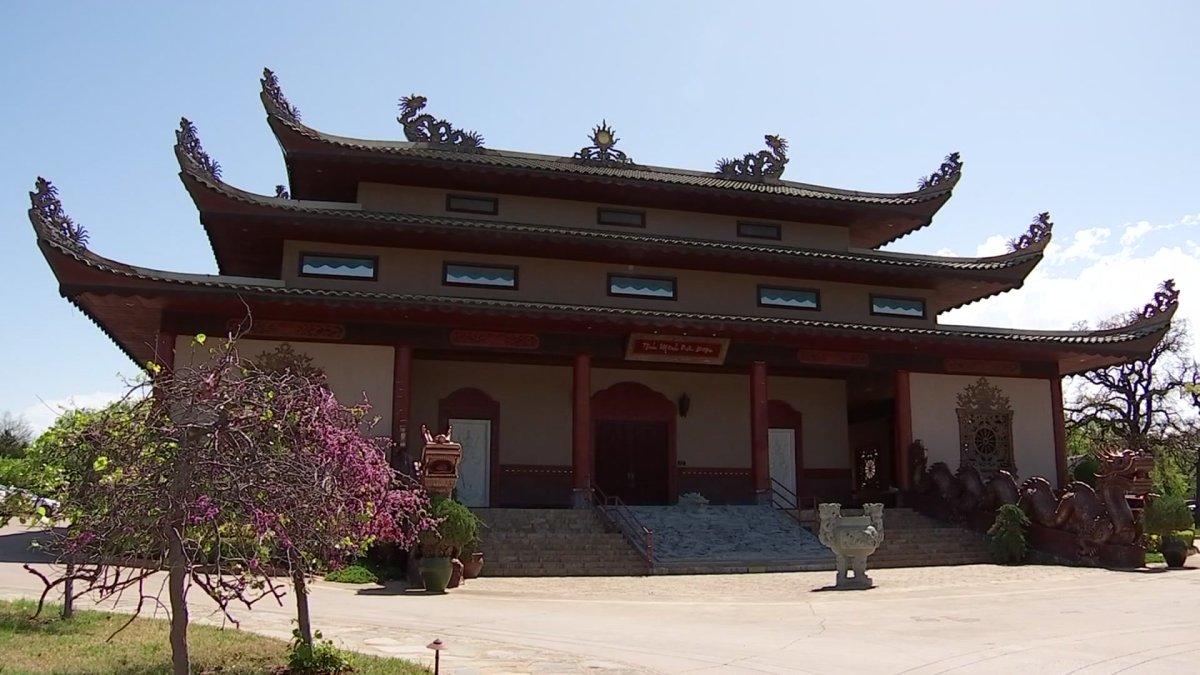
(677, 348)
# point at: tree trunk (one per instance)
(302, 618)
(177, 577)
(68, 609)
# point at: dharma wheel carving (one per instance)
(765, 165)
(188, 143)
(53, 219)
(601, 151)
(985, 429)
(949, 171)
(425, 128)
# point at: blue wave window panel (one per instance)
(898, 307)
(791, 298)
(337, 266)
(642, 287)
(474, 275)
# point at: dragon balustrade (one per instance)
(1078, 522)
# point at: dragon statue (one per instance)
(1096, 516)
(950, 170)
(425, 128)
(760, 166)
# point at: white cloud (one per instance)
(995, 245)
(41, 415)
(1103, 281)
(1084, 245)
(1135, 232)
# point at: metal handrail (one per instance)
(791, 501)
(618, 513)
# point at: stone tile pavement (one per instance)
(918, 621)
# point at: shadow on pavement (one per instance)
(396, 588)
(1154, 570)
(824, 589)
(17, 547)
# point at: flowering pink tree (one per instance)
(228, 473)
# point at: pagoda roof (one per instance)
(127, 302)
(247, 232)
(328, 167)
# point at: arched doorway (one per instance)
(633, 431)
(475, 417)
(785, 447)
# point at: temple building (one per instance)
(585, 321)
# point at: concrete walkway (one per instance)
(973, 619)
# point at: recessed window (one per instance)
(620, 217)
(479, 276)
(488, 206)
(338, 266)
(790, 298)
(758, 230)
(912, 308)
(641, 287)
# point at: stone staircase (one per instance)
(913, 540)
(554, 543)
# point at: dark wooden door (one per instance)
(631, 461)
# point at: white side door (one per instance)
(781, 443)
(474, 471)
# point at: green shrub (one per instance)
(322, 658)
(458, 527)
(1006, 536)
(1085, 470)
(353, 574)
(1165, 515)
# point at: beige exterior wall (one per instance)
(822, 403)
(582, 215)
(535, 405)
(566, 281)
(352, 370)
(935, 420)
(716, 431)
(535, 410)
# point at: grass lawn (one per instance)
(51, 645)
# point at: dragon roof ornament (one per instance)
(765, 165)
(601, 151)
(281, 192)
(1165, 300)
(425, 128)
(53, 220)
(948, 172)
(274, 96)
(187, 142)
(1038, 233)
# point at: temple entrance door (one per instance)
(632, 461)
(474, 471)
(781, 444)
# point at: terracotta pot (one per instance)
(473, 566)
(456, 573)
(435, 574)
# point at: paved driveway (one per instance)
(974, 619)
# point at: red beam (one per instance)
(903, 428)
(1060, 430)
(581, 431)
(759, 421)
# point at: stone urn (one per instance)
(852, 539)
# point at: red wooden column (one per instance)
(1060, 430)
(903, 429)
(581, 433)
(401, 404)
(759, 456)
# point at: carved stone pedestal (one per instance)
(852, 539)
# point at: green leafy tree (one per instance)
(15, 436)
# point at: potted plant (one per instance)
(1162, 518)
(473, 564)
(1006, 537)
(457, 527)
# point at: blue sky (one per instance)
(1086, 109)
